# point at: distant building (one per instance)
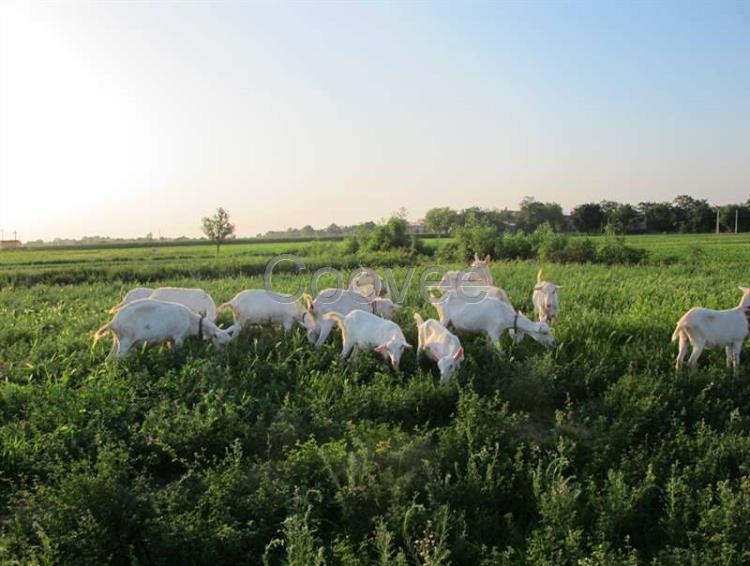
(416, 228)
(9, 244)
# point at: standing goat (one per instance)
(707, 328)
(545, 299)
(440, 345)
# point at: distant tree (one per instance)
(307, 231)
(587, 217)
(609, 209)
(443, 220)
(333, 230)
(693, 215)
(727, 217)
(394, 233)
(660, 216)
(217, 228)
(623, 219)
(534, 213)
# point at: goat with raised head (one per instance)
(709, 328)
(545, 299)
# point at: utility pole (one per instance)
(736, 219)
(717, 220)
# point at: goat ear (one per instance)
(459, 354)
(476, 256)
(381, 348)
(488, 258)
(407, 345)
(559, 286)
(538, 287)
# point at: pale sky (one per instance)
(122, 118)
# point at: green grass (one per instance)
(596, 452)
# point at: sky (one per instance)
(123, 118)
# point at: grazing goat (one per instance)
(707, 328)
(490, 317)
(545, 299)
(343, 302)
(258, 306)
(477, 274)
(196, 300)
(369, 284)
(440, 345)
(130, 296)
(362, 329)
(152, 322)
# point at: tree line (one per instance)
(684, 214)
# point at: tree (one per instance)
(693, 215)
(391, 235)
(534, 213)
(660, 216)
(333, 230)
(622, 219)
(609, 209)
(587, 217)
(443, 220)
(727, 216)
(307, 231)
(217, 228)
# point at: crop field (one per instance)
(270, 451)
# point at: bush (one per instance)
(450, 252)
(578, 250)
(392, 235)
(613, 250)
(515, 246)
(480, 239)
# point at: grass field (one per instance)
(595, 452)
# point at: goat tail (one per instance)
(540, 275)
(418, 319)
(678, 331)
(101, 332)
(338, 318)
(115, 309)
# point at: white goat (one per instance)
(490, 317)
(130, 296)
(343, 302)
(707, 328)
(440, 345)
(478, 274)
(259, 306)
(362, 329)
(545, 299)
(152, 322)
(368, 283)
(196, 300)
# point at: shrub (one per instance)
(613, 250)
(480, 239)
(515, 246)
(580, 250)
(450, 252)
(391, 235)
